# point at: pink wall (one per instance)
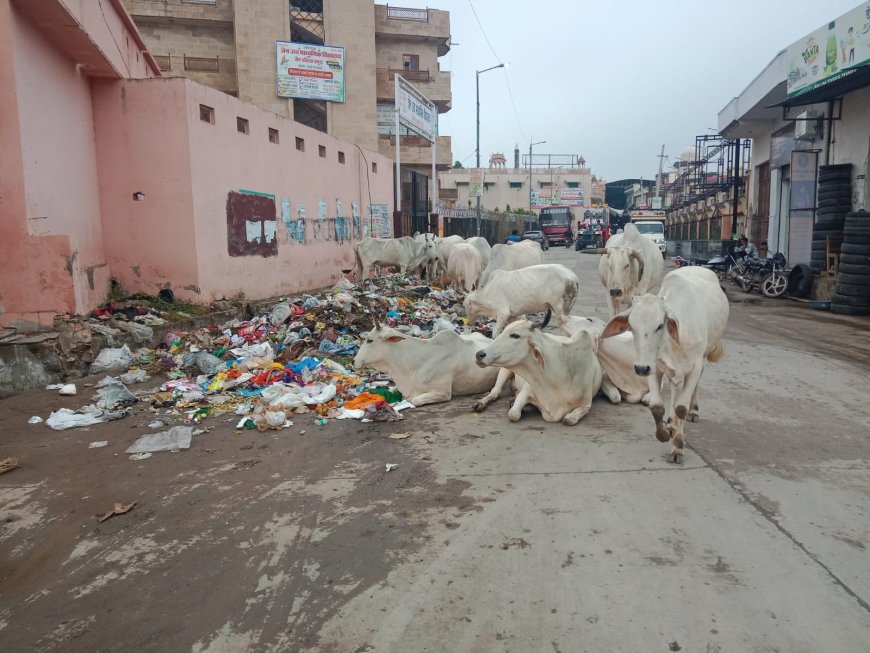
(142, 146)
(222, 159)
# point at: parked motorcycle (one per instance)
(766, 274)
(726, 266)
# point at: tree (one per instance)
(507, 208)
(458, 164)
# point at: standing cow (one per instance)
(483, 247)
(675, 333)
(464, 266)
(443, 251)
(404, 253)
(512, 257)
(631, 265)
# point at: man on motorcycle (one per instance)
(745, 249)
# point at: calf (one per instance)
(427, 371)
(512, 293)
(675, 333)
(631, 265)
(464, 266)
(558, 375)
(404, 253)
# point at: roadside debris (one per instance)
(391, 466)
(98, 444)
(68, 390)
(36, 419)
(117, 509)
(8, 464)
(174, 439)
(399, 436)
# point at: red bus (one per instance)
(557, 222)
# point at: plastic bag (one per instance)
(69, 419)
(280, 312)
(114, 394)
(206, 363)
(112, 358)
(134, 376)
(178, 437)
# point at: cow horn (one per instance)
(546, 321)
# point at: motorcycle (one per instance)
(766, 274)
(726, 266)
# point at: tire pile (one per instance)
(853, 283)
(834, 201)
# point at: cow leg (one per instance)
(520, 401)
(694, 406)
(504, 375)
(657, 406)
(683, 397)
(610, 391)
(432, 397)
(500, 322)
(576, 415)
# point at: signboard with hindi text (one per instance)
(309, 71)
(417, 112)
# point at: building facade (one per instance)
(230, 45)
(506, 189)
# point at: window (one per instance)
(300, 144)
(206, 114)
(573, 184)
(242, 125)
(411, 61)
(515, 184)
(341, 157)
(321, 150)
(273, 135)
(374, 167)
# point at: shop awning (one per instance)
(852, 80)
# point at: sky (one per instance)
(612, 80)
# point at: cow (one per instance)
(557, 374)
(464, 266)
(429, 268)
(631, 265)
(512, 257)
(427, 370)
(512, 293)
(443, 251)
(675, 333)
(482, 245)
(404, 253)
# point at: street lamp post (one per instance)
(530, 171)
(477, 149)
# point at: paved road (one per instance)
(489, 536)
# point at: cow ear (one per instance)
(394, 339)
(673, 328)
(618, 324)
(538, 356)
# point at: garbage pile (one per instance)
(294, 359)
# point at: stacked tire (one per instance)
(853, 283)
(834, 201)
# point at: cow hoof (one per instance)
(658, 412)
(514, 417)
(663, 434)
(693, 416)
(676, 457)
(681, 412)
(478, 406)
(570, 421)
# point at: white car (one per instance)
(654, 230)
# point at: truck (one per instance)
(556, 222)
(651, 223)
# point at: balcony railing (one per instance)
(406, 13)
(164, 62)
(410, 75)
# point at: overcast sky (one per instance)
(611, 80)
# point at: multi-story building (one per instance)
(230, 45)
(562, 181)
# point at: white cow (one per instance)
(557, 374)
(512, 257)
(464, 266)
(675, 333)
(430, 265)
(482, 245)
(512, 293)
(404, 253)
(631, 265)
(443, 250)
(427, 371)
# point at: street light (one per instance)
(477, 149)
(530, 171)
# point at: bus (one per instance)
(557, 224)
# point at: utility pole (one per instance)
(659, 178)
(736, 186)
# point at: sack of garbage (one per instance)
(112, 358)
(141, 333)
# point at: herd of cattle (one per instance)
(672, 325)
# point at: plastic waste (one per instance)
(68, 390)
(311, 302)
(98, 444)
(178, 437)
(206, 363)
(111, 358)
(114, 394)
(134, 376)
(390, 466)
(36, 419)
(280, 313)
(65, 418)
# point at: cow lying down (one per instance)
(557, 374)
(430, 370)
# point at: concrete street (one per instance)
(489, 536)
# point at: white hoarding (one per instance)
(416, 111)
(308, 71)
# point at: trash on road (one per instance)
(141, 456)
(68, 390)
(98, 444)
(134, 376)
(117, 509)
(64, 418)
(111, 358)
(8, 464)
(36, 419)
(391, 466)
(174, 439)
(399, 436)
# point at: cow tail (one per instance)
(358, 268)
(568, 298)
(717, 353)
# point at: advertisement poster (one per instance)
(802, 201)
(417, 112)
(321, 209)
(547, 196)
(354, 210)
(309, 71)
(286, 217)
(830, 52)
(475, 188)
(380, 221)
(572, 196)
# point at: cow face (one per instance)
(429, 247)
(472, 308)
(651, 325)
(378, 348)
(511, 347)
(624, 268)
